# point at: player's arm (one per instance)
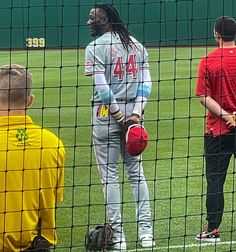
(107, 96)
(217, 110)
(94, 66)
(144, 89)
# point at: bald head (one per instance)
(15, 86)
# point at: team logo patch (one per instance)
(88, 67)
(88, 63)
(22, 135)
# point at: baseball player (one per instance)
(31, 169)
(122, 85)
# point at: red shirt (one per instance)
(217, 79)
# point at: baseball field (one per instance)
(173, 161)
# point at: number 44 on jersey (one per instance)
(122, 67)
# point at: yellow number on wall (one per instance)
(29, 42)
(35, 42)
(41, 42)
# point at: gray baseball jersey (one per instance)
(121, 66)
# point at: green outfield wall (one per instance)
(62, 23)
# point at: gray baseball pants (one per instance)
(108, 146)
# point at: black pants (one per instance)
(218, 151)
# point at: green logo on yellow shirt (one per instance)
(22, 135)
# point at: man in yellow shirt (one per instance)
(31, 169)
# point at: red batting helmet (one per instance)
(136, 139)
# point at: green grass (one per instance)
(173, 161)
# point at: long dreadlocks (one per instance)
(117, 23)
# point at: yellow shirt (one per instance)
(31, 182)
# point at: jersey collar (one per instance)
(15, 120)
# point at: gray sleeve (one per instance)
(94, 59)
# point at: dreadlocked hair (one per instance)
(117, 23)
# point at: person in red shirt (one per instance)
(216, 89)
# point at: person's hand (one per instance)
(231, 120)
(134, 117)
